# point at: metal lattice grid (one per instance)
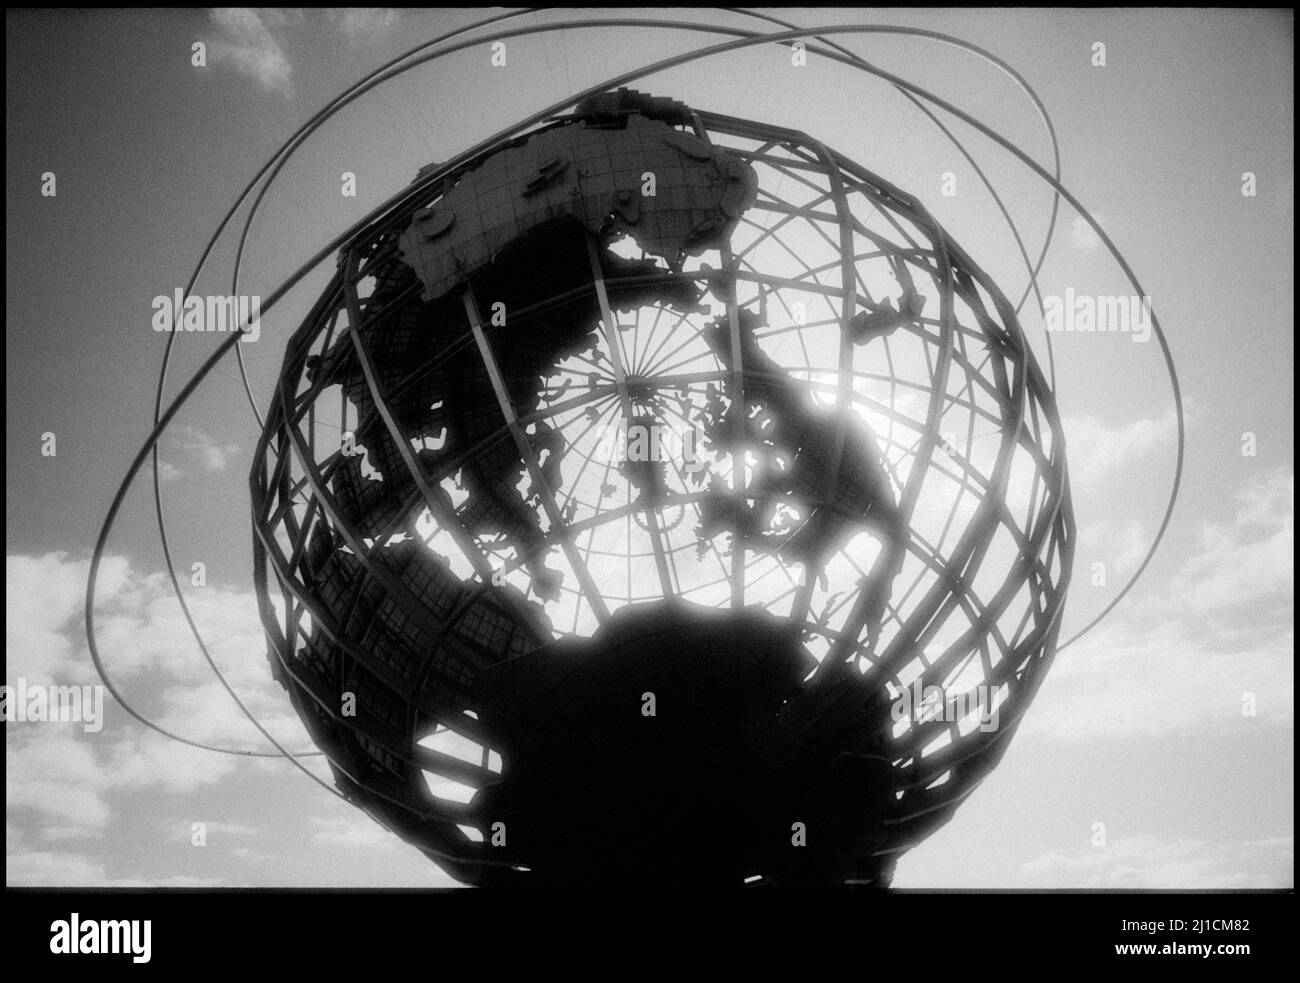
(401, 588)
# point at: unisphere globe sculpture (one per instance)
(659, 494)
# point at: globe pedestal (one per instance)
(665, 747)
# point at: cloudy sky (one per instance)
(1137, 766)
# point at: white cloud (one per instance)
(1120, 544)
(139, 626)
(69, 791)
(1124, 682)
(1082, 236)
(251, 856)
(353, 831)
(365, 24)
(247, 44)
(191, 449)
(1095, 450)
(203, 451)
(46, 868)
(1249, 561)
(49, 770)
(64, 778)
(283, 16)
(1217, 639)
(181, 830)
(1179, 863)
(43, 597)
(67, 776)
(27, 867)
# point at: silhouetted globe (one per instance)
(660, 495)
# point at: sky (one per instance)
(1138, 764)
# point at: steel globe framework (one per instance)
(850, 491)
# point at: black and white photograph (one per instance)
(642, 451)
